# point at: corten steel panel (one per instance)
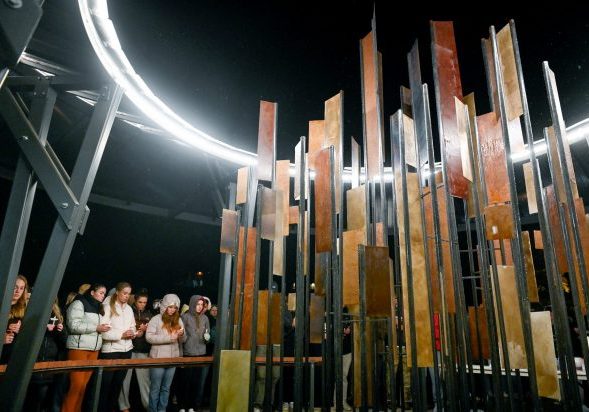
(266, 140)
(449, 86)
(530, 192)
(530, 270)
(378, 282)
(483, 333)
(355, 163)
(228, 230)
(462, 137)
(358, 363)
(351, 240)
(371, 101)
(323, 204)
(555, 230)
(419, 284)
(409, 135)
(513, 100)
(268, 223)
(380, 234)
(283, 184)
(516, 135)
(333, 137)
(316, 140)
(558, 167)
(293, 215)
(248, 290)
(321, 267)
(317, 315)
(234, 380)
(488, 51)
(544, 355)
(292, 302)
(242, 179)
(499, 222)
(262, 334)
(356, 207)
(493, 158)
(538, 240)
(512, 316)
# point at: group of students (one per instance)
(98, 326)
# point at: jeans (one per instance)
(159, 391)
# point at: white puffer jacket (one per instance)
(112, 340)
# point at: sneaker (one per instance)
(347, 407)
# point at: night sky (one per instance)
(212, 61)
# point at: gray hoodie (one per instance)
(195, 344)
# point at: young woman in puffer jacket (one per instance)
(85, 324)
(165, 332)
(197, 336)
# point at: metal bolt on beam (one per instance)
(65, 205)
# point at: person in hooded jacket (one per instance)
(165, 333)
(196, 325)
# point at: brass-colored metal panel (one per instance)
(478, 329)
(316, 140)
(409, 135)
(513, 100)
(248, 290)
(371, 102)
(242, 180)
(512, 316)
(356, 207)
(268, 223)
(317, 316)
(323, 203)
(234, 380)
(351, 240)
(283, 184)
(262, 326)
(449, 86)
(462, 136)
(538, 240)
(381, 234)
(333, 137)
(378, 282)
(266, 140)
(544, 355)
(321, 268)
(557, 166)
(228, 231)
(493, 158)
(278, 257)
(555, 230)
(292, 302)
(355, 149)
(499, 222)
(530, 192)
(530, 270)
(293, 215)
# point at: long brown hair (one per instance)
(113, 298)
(171, 323)
(57, 311)
(17, 311)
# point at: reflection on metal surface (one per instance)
(234, 380)
(228, 231)
(545, 355)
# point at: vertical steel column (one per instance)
(60, 244)
(363, 352)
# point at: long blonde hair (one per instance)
(113, 298)
(171, 323)
(55, 309)
(17, 311)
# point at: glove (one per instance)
(207, 336)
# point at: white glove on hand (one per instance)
(207, 336)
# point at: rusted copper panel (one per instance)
(248, 290)
(234, 380)
(378, 282)
(283, 184)
(530, 270)
(478, 328)
(559, 181)
(409, 135)
(323, 205)
(493, 158)
(381, 234)
(371, 102)
(513, 102)
(317, 315)
(499, 222)
(449, 86)
(293, 215)
(356, 207)
(544, 355)
(355, 149)
(538, 240)
(262, 333)
(333, 137)
(512, 316)
(228, 231)
(462, 136)
(268, 223)
(266, 140)
(351, 240)
(242, 180)
(316, 140)
(321, 268)
(555, 230)
(530, 191)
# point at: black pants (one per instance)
(112, 382)
(191, 386)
